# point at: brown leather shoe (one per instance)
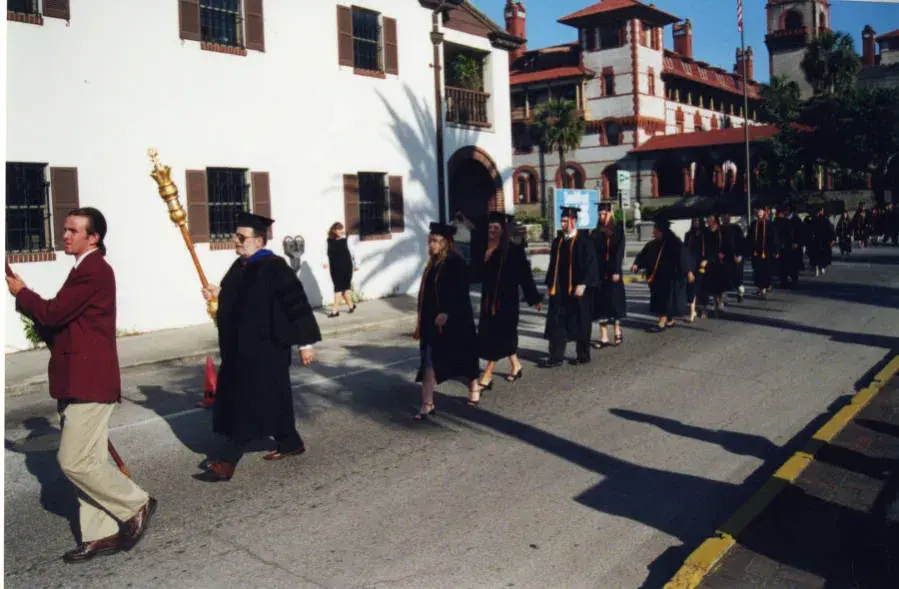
(276, 455)
(87, 550)
(215, 471)
(135, 527)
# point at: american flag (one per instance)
(740, 15)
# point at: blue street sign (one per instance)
(586, 200)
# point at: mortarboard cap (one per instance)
(662, 224)
(570, 212)
(497, 217)
(258, 223)
(447, 231)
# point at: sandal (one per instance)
(332, 314)
(619, 339)
(423, 414)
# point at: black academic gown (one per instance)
(735, 269)
(502, 275)
(821, 246)
(263, 311)
(763, 248)
(844, 235)
(572, 262)
(667, 262)
(716, 249)
(792, 239)
(445, 289)
(693, 242)
(609, 300)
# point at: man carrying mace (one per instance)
(262, 312)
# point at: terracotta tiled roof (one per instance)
(890, 35)
(707, 138)
(516, 78)
(608, 6)
(548, 63)
(678, 65)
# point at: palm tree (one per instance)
(558, 126)
(830, 63)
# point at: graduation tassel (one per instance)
(656, 268)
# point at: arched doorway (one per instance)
(610, 182)
(475, 188)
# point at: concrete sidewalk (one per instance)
(26, 372)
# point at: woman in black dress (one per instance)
(505, 270)
(609, 301)
(341, 261)
(445, 325)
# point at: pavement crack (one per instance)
(271, 563)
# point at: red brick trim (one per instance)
(636, 78)
(28, 257)
(369, 73)
(219, 48)
(532, 198)
(32, 19)
(577, 167)
(221, 244)
(376, 237)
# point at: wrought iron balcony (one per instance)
(467, 107)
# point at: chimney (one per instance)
(683, 38)
(747, 57)
(868, 58)
(516, 19)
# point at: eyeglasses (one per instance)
(242, 238)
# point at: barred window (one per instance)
(27, 208)
(374, 204)
(23, 6)
(229, 193)
(366, 40)
(221, 22)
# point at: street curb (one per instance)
(40, 384)
(705, 558)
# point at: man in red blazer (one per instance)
(79, 326)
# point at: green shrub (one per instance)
(31, 333)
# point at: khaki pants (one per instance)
(106, 497)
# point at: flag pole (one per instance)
(745, 116)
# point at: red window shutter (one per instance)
(351, 204)
(57, 9)
(345, 36)
(64, 197)
(397, 212)
(262, 200)
(622, 34)
(391, 55)
(189, 19)
(197, 206)
(254, 25)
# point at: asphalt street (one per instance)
(599, 476)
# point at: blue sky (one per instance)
(715, 35)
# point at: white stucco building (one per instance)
(312, 112)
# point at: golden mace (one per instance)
(169, 193)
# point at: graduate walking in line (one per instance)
(445, 325)
(572, 270)
(669, 269)
(506, 270)
(609, 300)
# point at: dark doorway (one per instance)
(472, 191)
